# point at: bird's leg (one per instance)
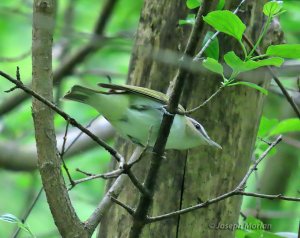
(164, 110)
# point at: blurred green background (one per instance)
(278, 174)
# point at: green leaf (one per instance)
(255, 227)
(191, 4)
(233, 61)
(227, 22)
(220, 5)
(251, 85)
(240, 233)
(253, 221)
(285, 126)
(9, 218)
(213, 50)
(239, 65)
(266, 125)
(291, 51)
(267, 234)
(286, 234)
(272, 8)
(260, 234)
(261, 147)
(13, 219)
(189, 20)
(213, 65)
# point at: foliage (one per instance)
(19, 188)
(254, 228)
(230, 24)
(13, 219)
(114, 57)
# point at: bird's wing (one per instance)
(146, 92)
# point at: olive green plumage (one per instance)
(136, 113)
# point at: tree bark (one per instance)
(231, 119)
(49, 162)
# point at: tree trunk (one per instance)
(49, 162)
(231, 119)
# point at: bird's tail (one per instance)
(80, 94)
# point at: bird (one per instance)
(136, 114)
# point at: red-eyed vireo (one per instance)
(136, 113)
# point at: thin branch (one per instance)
(72, 121)
(139, 219)
(18, 77)
(254, 166)
(199, 56)
(268, 196)
(19, 157)
(80, 134)
(218, 199)
(69, 64)
(109, 175)
(276, 79)
(61, 155)
(24, 218)
(63, 151)
(205, 102)
(127, 208)
(137, 184)
(208, 42)
(126, 169)
(237, 191)
(114, 191)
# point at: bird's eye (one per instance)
(197, 126)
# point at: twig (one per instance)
(24, 218)
(126, 169)
(136, 183)
(243, 216)
(237, 191)
(254, 166)
(130, 164)
(127, 208)
(61, 155)
(199, 56)
(276, 79)
(80, 133)
(41, 189)
(205, 102)
(263, 140)
(113, 174)
(220, 198)
(71, 62)
(18, 77)
(72, 121)
(84, 172)
(114, 191)
(139, 218)
(285, 92)
(208, 42)
(268, 196)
